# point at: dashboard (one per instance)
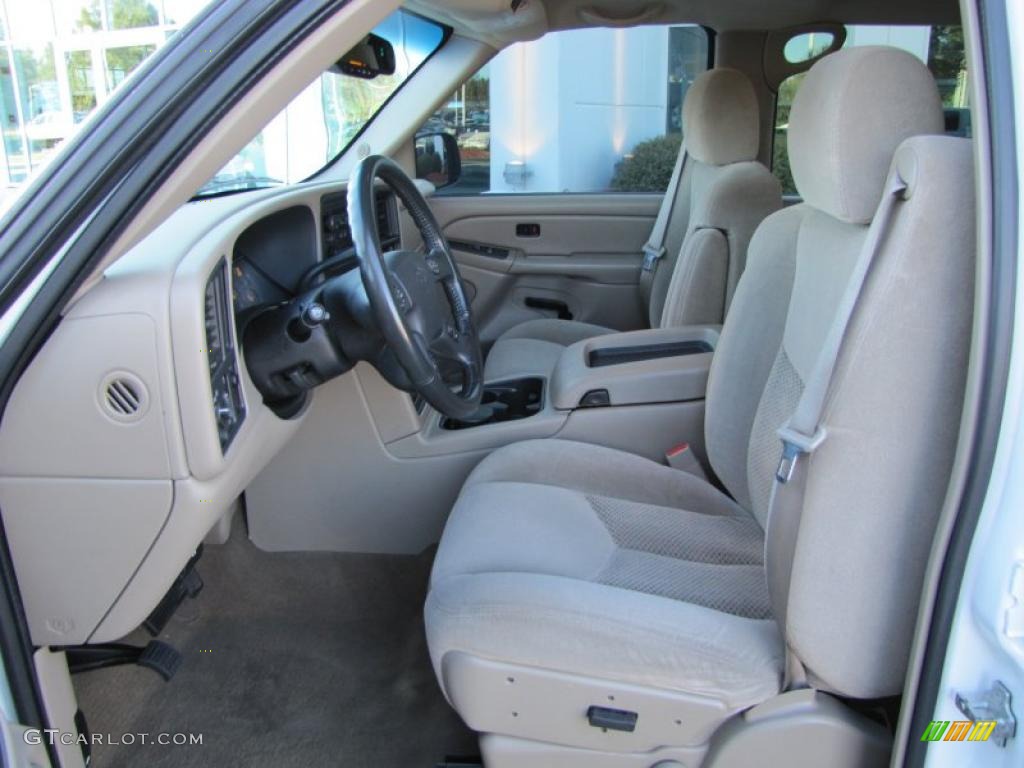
(143, 478)
(276, 258)
(279, 257)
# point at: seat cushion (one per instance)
(589, 561)
(533, 348)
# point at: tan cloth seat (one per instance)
(584, 572)
(723, 195)
(535, 346)
(629, 549)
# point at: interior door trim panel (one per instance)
(583, 250)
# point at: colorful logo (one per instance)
(959, 730)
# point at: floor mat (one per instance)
(290, 659)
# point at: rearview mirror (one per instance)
(438, 159)
(372, 57)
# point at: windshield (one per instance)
(321, 122)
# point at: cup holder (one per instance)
(504, 401)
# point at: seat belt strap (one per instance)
(803, 433)
(654, 248)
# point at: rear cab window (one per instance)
(941, 47)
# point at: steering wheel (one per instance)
(418, 300)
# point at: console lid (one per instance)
(652, 366)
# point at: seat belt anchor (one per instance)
(651, 256)
(794, 445)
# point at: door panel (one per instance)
(531, 256)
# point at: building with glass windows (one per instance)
(526, 122)
(63, 58)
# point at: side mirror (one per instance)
(438, 159)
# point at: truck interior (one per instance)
(388, 465)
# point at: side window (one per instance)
(588, 110)
(941, 47)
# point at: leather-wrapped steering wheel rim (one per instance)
(417, 299)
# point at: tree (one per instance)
(121, 14)
(89, 18)
(946, 54)
(478, 91)
(128, 14)
(947, 60)
(649, 167)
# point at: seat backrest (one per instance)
(723, 195)
(875, 488)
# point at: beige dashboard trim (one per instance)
(103, 513)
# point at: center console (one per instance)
(640, 392)
(504, 401)
(663, 365)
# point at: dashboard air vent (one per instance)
(123, 396)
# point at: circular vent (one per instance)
(123, 396)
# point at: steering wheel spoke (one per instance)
(453, 346)
(440, 265)
(399, 294)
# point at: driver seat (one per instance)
(578, 587)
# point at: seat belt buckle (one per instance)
(651, 256)
(794, 445)
(682, 457)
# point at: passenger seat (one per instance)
(572, 575)
(723, 194)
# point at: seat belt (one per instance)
(654, 248)
(804, 433)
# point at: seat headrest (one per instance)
(851, 112)
(720, 118)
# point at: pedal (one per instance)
(162, 658)
(85, 658)
(188, 584)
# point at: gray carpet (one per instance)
(290, 659)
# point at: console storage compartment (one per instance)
(662, 365)
(504, 401)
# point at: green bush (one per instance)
(780, 163)
(649, 167)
